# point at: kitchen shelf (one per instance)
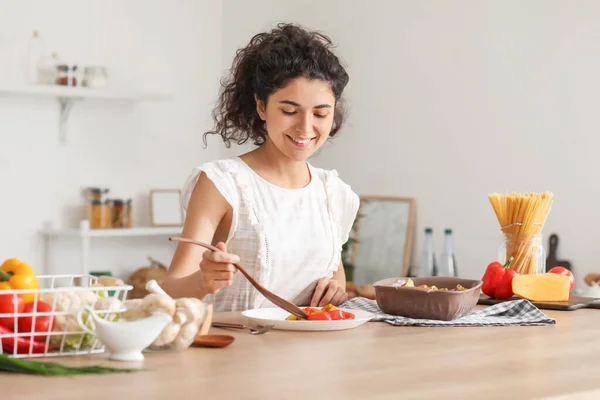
(66, 96)
(84, 234)
(98, 233)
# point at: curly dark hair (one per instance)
(269, 61)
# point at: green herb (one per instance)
(20, 366)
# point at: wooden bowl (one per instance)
(413, 302)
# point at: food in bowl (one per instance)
(327, 313)
(424, 299)
(409, 283)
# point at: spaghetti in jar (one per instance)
(522, 217)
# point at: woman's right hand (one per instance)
(217, 268)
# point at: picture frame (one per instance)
(165, 208)
(383, 238)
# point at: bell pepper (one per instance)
(497, 280)
(10, 304)
(23, 343)
(15, 274)
(43, 323)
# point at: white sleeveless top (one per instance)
(287, 239)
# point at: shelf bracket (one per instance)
(66, 103)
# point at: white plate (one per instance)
(277, 317)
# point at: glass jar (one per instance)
(99, 214)
(66, 75)
(95, 77)
(94, 193)
(117, 213)
(527, 251)
(127, 214)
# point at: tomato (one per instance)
(322, 316)
(336, 315)
(43, 323)
(348, 315)
(7, 306)
(564, 271)
(333, 315)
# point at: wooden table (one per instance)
(374, 361)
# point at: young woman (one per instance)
(281, 218)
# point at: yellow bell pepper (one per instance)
(15, 274)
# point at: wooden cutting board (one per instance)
(574, 303)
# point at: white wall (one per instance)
(175, 47)
(452, 100)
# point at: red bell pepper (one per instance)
(43, 323)
(497, 280)
(9, 303)
(23, 343)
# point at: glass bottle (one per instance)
(35, 51)
(447, 259)
(427, 265)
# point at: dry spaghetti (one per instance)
(522, 217)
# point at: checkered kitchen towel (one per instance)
(516, 312)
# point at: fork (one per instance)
(253, 331)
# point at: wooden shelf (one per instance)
(67, 95)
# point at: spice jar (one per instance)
(127, 215)
(117, 213)
(99, 214)
(94, 193)
(66, 75)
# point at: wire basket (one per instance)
(46, 325)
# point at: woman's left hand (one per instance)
(328, 291)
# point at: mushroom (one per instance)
(158, 302)
(166, 336)
(135, 310)
(186, 336)
(193, 310)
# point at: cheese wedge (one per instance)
(541, 287)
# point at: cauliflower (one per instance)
(73, 341)
(110, 304)
(67, 304)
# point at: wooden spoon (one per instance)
(213, 341)
(278, 301)
(205, 340)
